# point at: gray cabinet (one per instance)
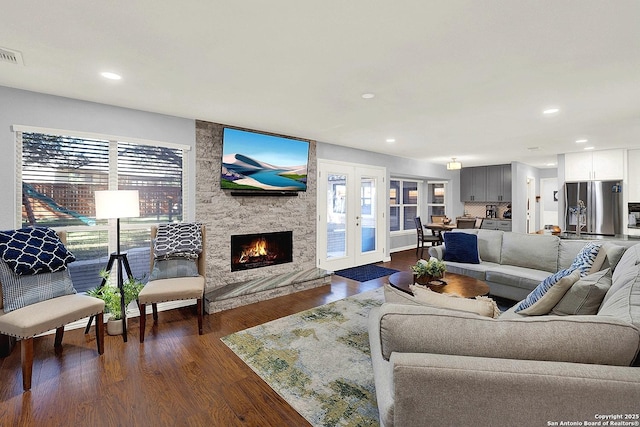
(496, 224)
(473, 184)
(486, 184)
(499, 183)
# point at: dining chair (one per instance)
(174, 285)
(424, 238)
(466, 223)
(438, 218)
(29, 317)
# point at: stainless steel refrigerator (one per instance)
(596, 205)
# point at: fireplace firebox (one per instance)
(261, 250)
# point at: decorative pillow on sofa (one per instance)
(33, 250)
(586, 258)
(174, 267)
(179, 239)
(581, 264)
(480, 305)
(547, 294)
(585, 296)
(20, 291)
(461, 247)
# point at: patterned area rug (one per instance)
(318, 360)
(365, 272)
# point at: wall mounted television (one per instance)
(258, 163)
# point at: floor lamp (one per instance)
(117, 204)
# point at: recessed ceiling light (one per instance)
(390, 140)
(368, 95)
(551, 164)
(110, 75)
(589, 148)
(533, 148)
(581, 141)
(550, 111)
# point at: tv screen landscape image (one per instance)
(259, 162)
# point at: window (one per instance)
(436, 198)
(59, 175)
(404, 205)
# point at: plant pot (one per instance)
(114, 327)
(426, 279)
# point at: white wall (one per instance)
(19, 107)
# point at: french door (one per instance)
(351, 214)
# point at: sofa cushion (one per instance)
(623, 299)
(490, 245)
(477, 271)
(536, 251)
(579, 339)
(21, 291)
(585, 296)
(461, 247)
(519, 277)
(482, 306)
(550, 298)
(567, 251)
(613, 255)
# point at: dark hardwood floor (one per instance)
(176, 378)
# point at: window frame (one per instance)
(419, 184)
(114, 145)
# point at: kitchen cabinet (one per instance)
(486, 184)
(496, 224)
(473, 184)
(499, 183)
(594, 165)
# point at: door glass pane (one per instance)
(336, 215)
(368, 213)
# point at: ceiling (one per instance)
(462, 78)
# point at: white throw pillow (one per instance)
(480, 305)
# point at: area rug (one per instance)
(365, 272)
(318, 360)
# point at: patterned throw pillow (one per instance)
(582, 263)
(174, 267)
(175, 240)
(34, 250)
(20, 291)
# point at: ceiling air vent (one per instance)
(12, 56)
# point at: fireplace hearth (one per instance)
(261, 250)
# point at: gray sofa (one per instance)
(513, 264)
(435, 366)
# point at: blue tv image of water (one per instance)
(271, 177)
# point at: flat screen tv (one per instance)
(257, 162)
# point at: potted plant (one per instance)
(426, 271)
(112, 302)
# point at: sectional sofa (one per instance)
(435, 366)
(513, 264)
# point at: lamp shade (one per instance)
(117, 204)
(453, 165)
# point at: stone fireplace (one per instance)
(229, 217)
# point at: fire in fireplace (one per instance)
(261, 250)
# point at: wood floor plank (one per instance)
(176, 377)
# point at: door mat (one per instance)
(364, 273)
